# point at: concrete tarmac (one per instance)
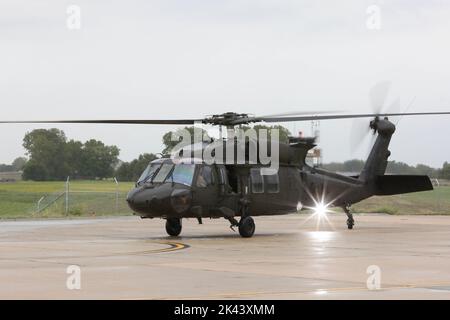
(289, 257)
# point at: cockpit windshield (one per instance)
(168, 172)
(162, 173)
(148, 172)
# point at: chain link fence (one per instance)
(80, 203)
(108, 200)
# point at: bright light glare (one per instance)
(320, 209)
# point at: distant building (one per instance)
(314, 157)
(10, 176)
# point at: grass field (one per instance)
(86, 198)
(429, 202)
(99, 198)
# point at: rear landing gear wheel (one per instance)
(350, 223)
(246, 227)
(350, 220)
(173, 226)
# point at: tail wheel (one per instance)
(350, 224)
(173, 226)
(246, 227)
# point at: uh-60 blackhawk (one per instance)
(188, 187)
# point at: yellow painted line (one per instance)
(173, 246)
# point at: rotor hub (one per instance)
(228, 119)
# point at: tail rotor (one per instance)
(363, 132)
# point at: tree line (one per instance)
(51, 156)
(393, 167)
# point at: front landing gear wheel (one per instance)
(246, 227)
(173, 226)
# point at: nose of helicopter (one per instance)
(159, 200)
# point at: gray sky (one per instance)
(177, 59)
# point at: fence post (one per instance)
(117, 194)
(39, 204)
(67, 196)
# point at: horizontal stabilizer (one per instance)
(398, 184)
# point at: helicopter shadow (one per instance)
(219, 237)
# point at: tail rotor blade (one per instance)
(359, 131)
(378, 95)
(394, 107)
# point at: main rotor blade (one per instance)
(237, 122)
(180, 121)
(298, 113)
(344, 116)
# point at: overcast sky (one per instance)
(187, 59)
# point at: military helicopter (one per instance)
(187, 187)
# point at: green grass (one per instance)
(87, 198)
(54, 186)
(429, 202)
(98, 198)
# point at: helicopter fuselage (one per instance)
(228, 188)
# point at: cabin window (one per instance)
(205, 177)
(222, 176)
(257, 180)
(272, 183)
(162, 173)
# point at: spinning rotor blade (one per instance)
(180, 121)
(360, 128)
(237, 121)
(358, 134)
(378, 95)
(343, 116)
(297, 113)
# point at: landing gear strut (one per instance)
(173, 226)
(350, 221)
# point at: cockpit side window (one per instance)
(205, 177)
(183, 173)
(257, 180)
(272, 183)
(162, 173)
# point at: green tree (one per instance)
(6, 168)
(353, 165)
(131, 171)
(98, 160)
(427, 170)
(46, 150)
(19, 163)
(283, 133)
(35, 171)
(445, 171)
(124, 172)
(73, 158)
(52, 157)
(169, 144)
